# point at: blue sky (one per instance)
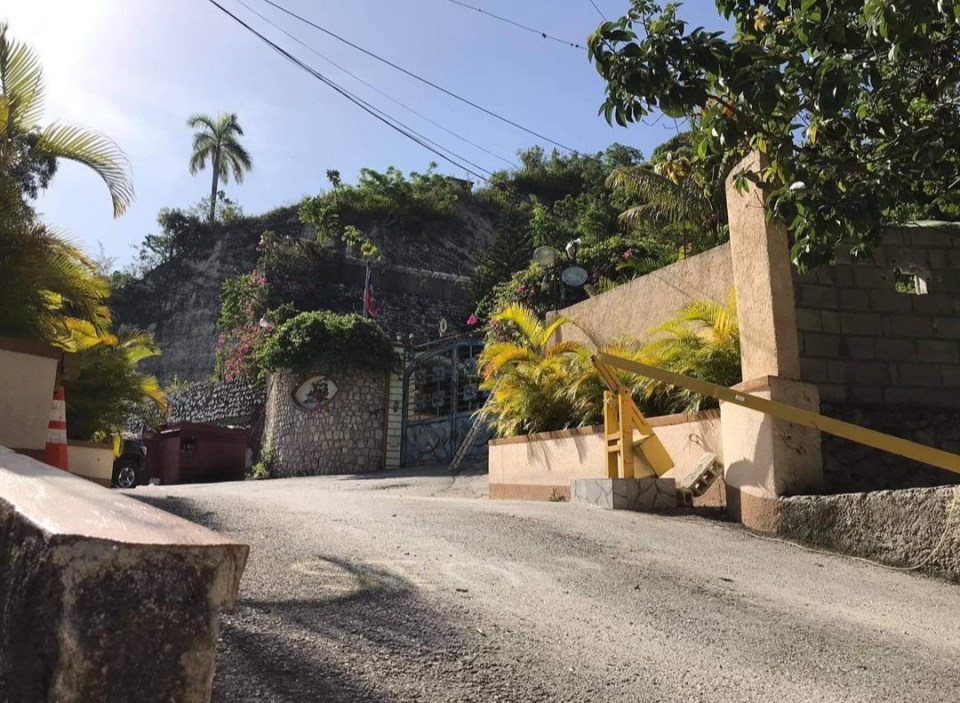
(136, 69)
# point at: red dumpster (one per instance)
(195, 453)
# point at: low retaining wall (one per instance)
(918, 527)
(103, 598)
(541, 466)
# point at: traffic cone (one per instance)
(55, 453)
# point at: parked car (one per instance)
(128, 468)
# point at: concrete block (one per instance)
(808, 320)
(934, 304)
(821, 346)
(908, 326)
(857, 348)
(890, 301)
(951, 375)
(889, 349)
(701, 476)
(854, 299)
(860, 323)
(638, 494)
(830, 322)
(103, 598)
(865, 276)
(864, 395)
(818, 297)
(924, 237)
(946, 327)
(869, 372)
(837, 371)
(937, 258)
(919, 374)
(934, 351)
(813, 370)
(843, 275)
(832, 392)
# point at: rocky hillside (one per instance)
(418, 282)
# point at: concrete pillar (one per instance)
(765, 458)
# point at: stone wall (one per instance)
(345, 436)
(635, 307)
(238, 403)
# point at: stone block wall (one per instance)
(345, 436)
(864, 343)
(885, 359)
(238, 402)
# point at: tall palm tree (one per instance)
(215, 142)
(28, 150)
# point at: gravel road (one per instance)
(405, 587)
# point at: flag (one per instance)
(369, 302)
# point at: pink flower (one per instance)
(472, 321)
(628, 254)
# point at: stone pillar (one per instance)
(765, 458)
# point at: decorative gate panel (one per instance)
(442, 392)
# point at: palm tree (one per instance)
(216, 142)
(109, 386)
(702, 341)
(682, 196)
(28, 152)
(51, 290)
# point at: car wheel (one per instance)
(126, 473)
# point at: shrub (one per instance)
(326, 341)
(263, 469)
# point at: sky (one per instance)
(135, 70)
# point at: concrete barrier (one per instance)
(916, 529)
(103, 598)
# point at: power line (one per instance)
(518, 24)
(419, 78)
(378, 114)
(599, 11)
(377, 90)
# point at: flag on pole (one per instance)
(369, 303)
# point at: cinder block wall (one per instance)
(885, 359)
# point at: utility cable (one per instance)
(367, 107)
(518, 24)
(375, 89)
(416, 77)
(599, 11)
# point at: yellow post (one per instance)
(610, 431)
(626, 433)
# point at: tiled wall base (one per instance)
(625, 494)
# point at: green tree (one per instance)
(29, 152)
(216, 143)
(109, 386)
(852, 103)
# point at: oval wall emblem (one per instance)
(314, 392)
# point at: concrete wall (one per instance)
(917, 529)
(91, 461)
(27, 375)
(103, 598)
(345, 436)
(883, 359)
(633, 308)
(539, 466)
(863, 343)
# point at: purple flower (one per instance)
(472, 321)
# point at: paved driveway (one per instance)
(411, 588)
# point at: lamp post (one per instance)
(549, 259)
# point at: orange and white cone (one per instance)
(55, 453)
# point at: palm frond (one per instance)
(95, 151)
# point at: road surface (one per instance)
(413, 588)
